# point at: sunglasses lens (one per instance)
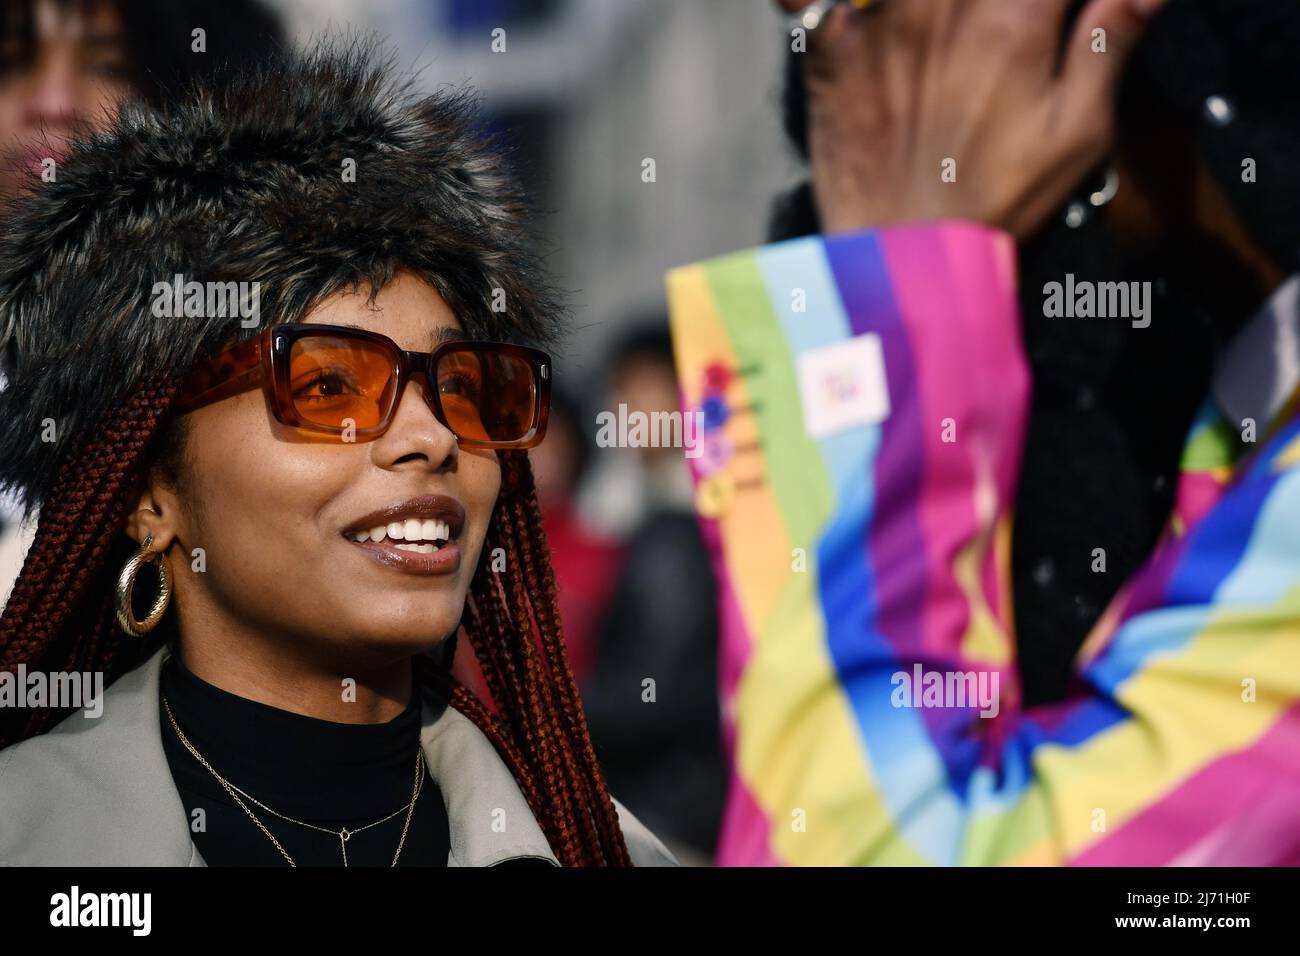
(337, 381)
(487, 394)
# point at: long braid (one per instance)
(44, 624)
(559, 780)
(86, 500)
(532, 528)
(496, 622)
(548, 630)
(60, 616)
(491, 638)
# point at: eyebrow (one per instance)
(447, 333)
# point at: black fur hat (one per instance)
(245, 179)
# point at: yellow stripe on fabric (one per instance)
(1187, 712)
(1289, 456)
(796, 746)
(984, 641)
(700, 340)
(802, 750)
(1016, 836)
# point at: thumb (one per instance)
(1101, 44)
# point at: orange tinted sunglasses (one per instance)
(328, 379)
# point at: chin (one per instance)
(405, 634)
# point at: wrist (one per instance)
(849, 187)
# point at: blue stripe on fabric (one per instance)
(909, 770)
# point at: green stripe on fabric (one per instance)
(793, 462)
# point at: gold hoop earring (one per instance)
(126, 581)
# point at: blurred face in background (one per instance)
(647, 384)
(557, 461)
(61, 62)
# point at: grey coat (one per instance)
(99, 792)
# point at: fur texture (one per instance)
(241, 179)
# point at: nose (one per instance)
(416, 438)
(52, 98)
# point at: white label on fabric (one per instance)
(843, 386)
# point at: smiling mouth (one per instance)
(422, 536)
(419, 535)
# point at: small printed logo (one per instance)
(636, 429)
(74, 908)
(196, 299)
(955, 689)
(843, 386)
(56, 689)
(1101, 300)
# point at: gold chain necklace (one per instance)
(344, 834)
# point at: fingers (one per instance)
(1044, 20)
(800, 12)
(836, 45)
(1103, 40)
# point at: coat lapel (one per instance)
(490, 819)
(107, 796)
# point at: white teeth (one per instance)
(412, 530)
(419, 548)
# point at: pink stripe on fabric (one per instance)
(743, 837)
(987, 299)
(939, 348)
(1238, 792)
(743, 840)
(1198, 492)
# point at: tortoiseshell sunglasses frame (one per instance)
(264, 360)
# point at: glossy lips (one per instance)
(418, 535)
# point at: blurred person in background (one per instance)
(64, 63)
(659, 742)
(1170, 736)
(629, 484)
(584, 560)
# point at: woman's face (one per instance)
(273, 508)
(70, 67)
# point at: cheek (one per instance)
(259, 498)
(98, 100)
(480, 486)
(10, 112)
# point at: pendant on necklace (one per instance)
(345, 834)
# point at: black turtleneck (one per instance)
(319, 771)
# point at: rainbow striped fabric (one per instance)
(864, 400)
